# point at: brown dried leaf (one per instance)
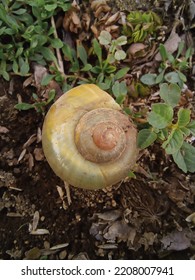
(39, 135)
(112, 215)
(22, 155)
(30, 161)
(135, 48)
(171, 44)
(35, 220)
(3, 129)
(39, 72)
(31, 139)
(120, 230)
(38, 153)
(178, 240)
(113, 19)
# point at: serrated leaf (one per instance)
(145, 138)
(161, 115)
(183, 117)
(149, 79)
(185, 158)
(170, 93)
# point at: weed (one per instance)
(140, 25)
(26, 35)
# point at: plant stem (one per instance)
(59, 57)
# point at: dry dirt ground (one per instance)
(142, 218)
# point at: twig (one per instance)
(66, 185)
(59, 57)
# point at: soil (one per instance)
(142, 218)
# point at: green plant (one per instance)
(103, 72)
(173, 135)
(38, 105)
(171, 67)
(26, 34)
(140, 25)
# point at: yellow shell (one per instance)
(87, 140)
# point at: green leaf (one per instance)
(174, 141)
(46, 79)
(86, 68)
(121, 73)
(56, 43)
(50, 7)
(15, 66)
(163, 52)
(24, 67)
(122, 40)
(160, 77)
(185, 158)
(191, 127)
(182, 76)
(19, 11)
(51, 95)
(180, 48)
(120, 54)
(183, 117)
(105, 38)
(170, 93)
(82, 54)
(161, 115)
(48, 54)
(148, 79)
(97, 50)
(110, 69)
(185, 131)
(145, 138)
(24, 106)
(172, 77)
(119, 90)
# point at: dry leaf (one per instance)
(30, 161)
(22, 155)
(171, 44)
(178, 240)
(31, 140)
(3, 129)
(38, 153)
(120, 230)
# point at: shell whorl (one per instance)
(87, 140)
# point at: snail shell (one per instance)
(87, 140)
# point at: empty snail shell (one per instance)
(87, 140)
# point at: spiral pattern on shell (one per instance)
(87, 140)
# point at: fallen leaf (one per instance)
(171, 44)
(3, 129)
(38, 153)
(178, 240)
